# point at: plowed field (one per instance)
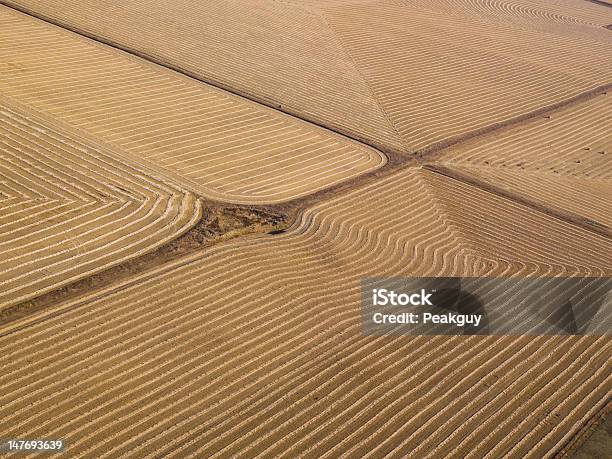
(401, 74)
(219, 145)
(256, 347)
(69, 209)
(562, 161)
(121, 120)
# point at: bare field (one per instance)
(181, 267)
(561, 161)
(399, 74)
(70, 209)
(255, 347)
(441, 69)
(217, 144)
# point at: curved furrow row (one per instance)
(513, 232)
(211, 141)
(545, 19)
(194, 362)
(81, 210)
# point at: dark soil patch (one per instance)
(593, 441)
(599, 443)
(218, 223)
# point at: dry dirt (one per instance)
(218, 223)
(70, 208)
(255, 345)
(240, 333)
(598, 445)
(212, 142)
(398, 74)
(561, 163)
(595, 442)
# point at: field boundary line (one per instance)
(262, 100)
(600, 3)
(152, 59)
(431, 158)
(515, 121)
(61, 308)
(552, 211)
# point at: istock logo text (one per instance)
(384, 297)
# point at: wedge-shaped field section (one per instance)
(255, 347)
(402, 74)
(69, 209)
(217, 144)
(561, 162)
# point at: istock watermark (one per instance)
(487, 306)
